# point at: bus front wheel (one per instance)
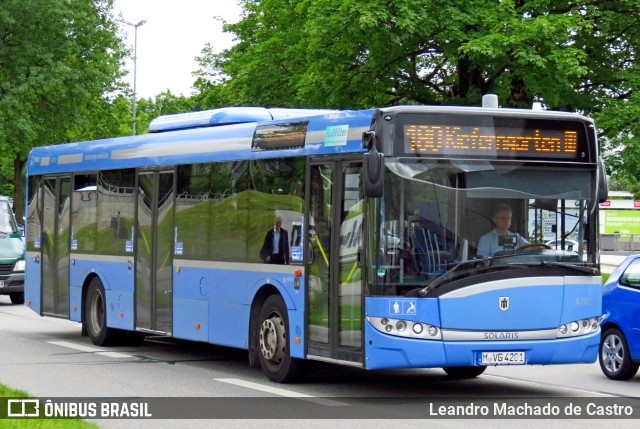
(462, 372)
(273, 343)
(96, 315)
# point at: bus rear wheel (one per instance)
(463, 372)
(273, 343)
(96, 316)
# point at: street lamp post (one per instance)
(135, 60)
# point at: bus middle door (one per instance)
(154, 252)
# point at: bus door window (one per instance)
(349, 277)
(320, 213)
(154, 254)
(55, 245)
(336, 209)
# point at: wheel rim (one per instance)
(273, 339)
(612, 353)
(96, 315)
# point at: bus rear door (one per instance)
(154, 252)
(56, 212)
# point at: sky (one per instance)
(174, 34)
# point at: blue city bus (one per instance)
(160, 235)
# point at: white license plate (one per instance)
(502, 358)
(1, 283)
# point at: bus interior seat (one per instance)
(431, 255)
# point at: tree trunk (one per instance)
(469, 81)
(18, 189)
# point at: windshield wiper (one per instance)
(449, 275)
(453, 272)
(581, 268)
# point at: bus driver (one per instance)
(490, 243)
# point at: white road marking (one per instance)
(90, 349)
(282, 392)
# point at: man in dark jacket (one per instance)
(275, 249)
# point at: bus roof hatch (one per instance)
(227, 116)
(208, 118)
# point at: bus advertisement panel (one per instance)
(621, 222)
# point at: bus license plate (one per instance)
(502, 358)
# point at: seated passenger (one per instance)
(490, 243)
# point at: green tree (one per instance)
(107, 116)
(576, 56)
(211, 84)
(267, 58)
(359, 53)
(57, 60)
(619, 120)
(164, 103)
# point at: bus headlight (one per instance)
(418, 328)
(575, 326)
(579, 327)
(405, 328)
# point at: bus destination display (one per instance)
(453, 140)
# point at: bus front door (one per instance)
(154, 252)
(54, 245)
(334, 282)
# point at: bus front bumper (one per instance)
(387, 351)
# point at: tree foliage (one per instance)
(163, 104)
(57, 60)
(60, 82)
(571, 55)
(360, 53)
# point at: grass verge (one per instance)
(40, 423)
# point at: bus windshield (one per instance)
(437, 214)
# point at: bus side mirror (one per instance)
(603, 183)
(373, 167)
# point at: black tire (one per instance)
(273, 343)
(17, 297)
(463, 372)
(615, 359)
(131, 338)
(96, 316)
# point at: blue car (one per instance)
(619, 354)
